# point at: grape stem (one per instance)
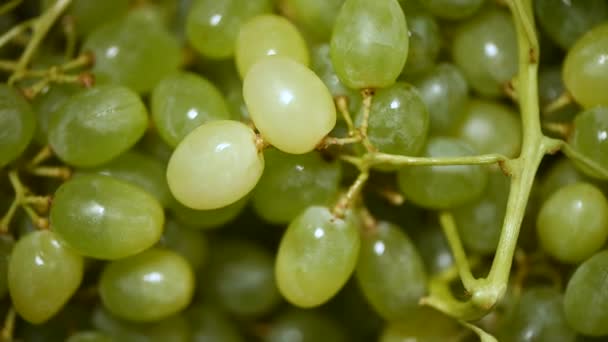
(562, 101)
(9, 325)
(9, 6)
(342, 105)
(350, 196)
(368, 95)
(25, 200)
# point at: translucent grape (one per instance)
(390, 272)
(443, 187)
(398, 120)
(268, 35)
(316, 257)
(212, 26)
(573, 222)
(102, 217)
(305, 326)
(17, 124)
(240, 278)
(211, 324)
(444, 90)
(183, 101)
(138, 169)
(480, 222)
(190, 244)
(96, 125)
(590, 138)
(316, 17)
(491, 127)
(148, 286)
(369, 44)
(565, 21)
(208, 219)
(485, 49)
(425, 43)
(215, 165)
(585, 69)
(452, 9)
(586, 299)
(36, 264)
(289, 104)
(133, 51)
(292, 183)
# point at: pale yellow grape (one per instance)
(215, 165)
(289, 104)
(269, 35)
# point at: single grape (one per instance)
(444, 90)
(17, 124)
(183, 101)
(369, 44)
(268, 35)
(425, 43)
(46, 104)
(491, 127)
(292, 183)
(585, 68)
(550, 88)
(443, 187)
(304, 326)
(190, 244)
(315, 17)
(390, 272)
(224, 75)
(208, 219)
(485, 49)
(96, 125)
(89, 336)
(149, 286)
(433, 248)
(590, 138)
(211, 324)
(289, 104)
(138, 169)
(586, 299)
(240, 278)
(565, 21)
(88, 15)
(212, 26)
(429, 325)
(563, 172)
(452, 9)
(43, 273)
(316, 256)
(215, 165)
(133, 51)
(573, 222)
(105, 218)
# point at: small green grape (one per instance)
(46, 104)
(88, 15)
(590, 138)
(17, 124)
(211, 324)
(425, 43)
(189, 243)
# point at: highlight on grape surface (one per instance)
(303, 170)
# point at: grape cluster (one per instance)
(303, 170)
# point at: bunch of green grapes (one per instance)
(303, 170)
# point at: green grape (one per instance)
(46, 104)
(304, 326)
(443, 187)
(565, 21)
(590, 138)
(550, 88)
(225, 76)
(444, 90)
(586, 299)
(316, 256)
(210, 324)
(321, 64)
(89, 336)
(390, 272)
(398, 120)
(292, 183)
(316, 17)
(89, 15)
(133, 51)
(538, 316)
(174, 328)
(149, 286)
(153, 145)
(138, 169)
(105, 218)
(573, 222)
(17, 125)
(37, 262)
(491, 127)
(433, 248)
(289, 104)
(452, 9)
(240, 278)
(208, 219)
(212, 26)
(485, 49)
(369, 44)
(183, 101)
(96, 125)
(190, 244)
(6, 247)
(585, 68)
(425, 43)
(215, 165)
(429, 325)
(480, 222)
(563, 172)
(268, 35)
